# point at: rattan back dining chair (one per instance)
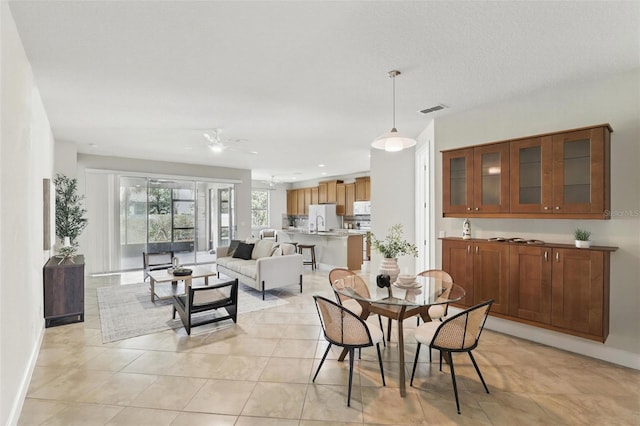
(340, 277)
(439, 311)
(343, 328)
(459, 333)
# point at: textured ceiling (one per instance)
(301, 83)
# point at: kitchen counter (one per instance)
(341, 248)
(331, 233)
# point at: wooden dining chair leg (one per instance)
(351, 353)
(415, 364)
(321, 362)
(473, 360)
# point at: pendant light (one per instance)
(393, 141)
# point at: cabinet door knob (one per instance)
(468, 249)
(468, 209)
(557, 207)
(476, 209)
(557, 256)
(546, 207)
(477, 249)
(546, 256)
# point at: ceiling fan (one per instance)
(218, 145)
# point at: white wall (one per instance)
(65, 158)
(614, 100)
(392, 200)
(93, 239)
(26, 158)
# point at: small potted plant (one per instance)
(70, 215)
(582, 238)
(391, 247)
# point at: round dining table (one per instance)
(398, 302)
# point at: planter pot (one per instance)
(583, 244)
(389, 266)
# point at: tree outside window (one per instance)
(260, 208)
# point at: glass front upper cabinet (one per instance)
(457, 185)
(491, 178)
(581, 171)
(531, 161)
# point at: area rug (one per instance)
(127, 311)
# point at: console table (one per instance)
(63, 290)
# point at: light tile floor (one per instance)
(258, 372)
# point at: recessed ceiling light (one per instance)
(320, 165)
(323, 173)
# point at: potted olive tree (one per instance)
(70, 215)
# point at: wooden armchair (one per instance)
(156, 261)
(224, 294)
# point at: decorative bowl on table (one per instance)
(406, 281)
(182, 271)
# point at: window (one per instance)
(259, 208)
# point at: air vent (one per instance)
(432, 109)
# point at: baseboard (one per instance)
(18, 402)
(565, 342)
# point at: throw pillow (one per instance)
(243, 251)
(288, 249)
(263, 248)
(277, 252)
(233, 247)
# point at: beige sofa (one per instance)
(271, 265)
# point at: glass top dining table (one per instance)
(400, 302)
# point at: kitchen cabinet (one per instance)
(63, 290)
(476, 180)
(363, 188)
(322, 193)
(307, 200)
(300, 199)
(314, 195)
(292, 202)
(553, 286)
(350, 197)
(556, 175)
(341, 202)
(328, 191)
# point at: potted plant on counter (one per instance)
(391, 247)
(582, 238)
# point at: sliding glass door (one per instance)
(187, 217)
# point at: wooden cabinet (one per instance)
(553, 286)
(63, 290)
(328, 191)
(354, 252)
(491, 275)
(307, 200)
(314, 195)
(350, 197)
(322, 193)
(556, 175)
(482, 269)
(580, 292)
(363, 188)
(301, 205)
(530, 283)
(341, 202)
(458, 262)
(476, 180)
(292, 202)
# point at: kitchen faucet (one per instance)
(321, 219)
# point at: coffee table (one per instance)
(165, 285)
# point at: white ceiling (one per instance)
(302, 83)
